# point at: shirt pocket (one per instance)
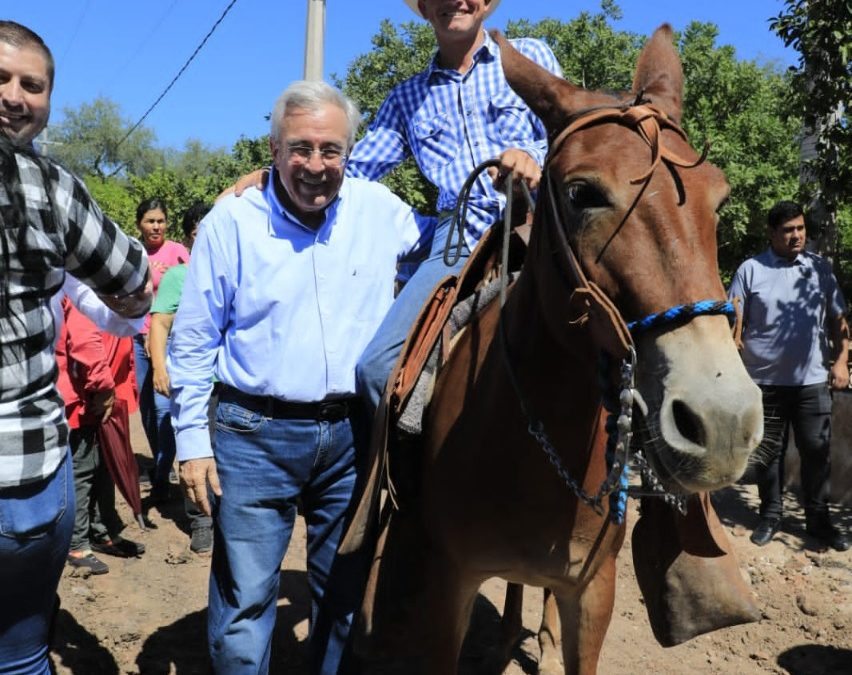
(370, 292)
(508, 121)
(234, 418)
(436, 144)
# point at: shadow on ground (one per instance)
(79, 650)
(816, 660)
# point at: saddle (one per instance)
(684, 565)
(431, 329)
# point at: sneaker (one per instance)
(202, 540)
(119, 547)
(89, 561)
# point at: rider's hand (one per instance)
(524, 166)
(257, 178)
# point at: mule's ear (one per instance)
(547, 96)
(659, 76)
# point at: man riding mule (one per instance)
(621, 260)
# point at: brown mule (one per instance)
(627, 220)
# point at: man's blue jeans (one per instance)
(380, 356)
(156, 417)
(265, 466)
(35, 530)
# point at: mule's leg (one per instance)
(585, 616)
(417, 607)
(511, 625)
(548, 640)
(444, 621)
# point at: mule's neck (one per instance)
(550, 371)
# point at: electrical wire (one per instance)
(143, 43)
(180, 72)
(76, 30)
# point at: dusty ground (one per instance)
(148, 615)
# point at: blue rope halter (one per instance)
(681, 313)
(676, 314)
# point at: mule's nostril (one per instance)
(688, 423)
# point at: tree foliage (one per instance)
(398, 54)
(821, 31)
(821, 91)
(197, 174)
(91, 141)
(742, 110)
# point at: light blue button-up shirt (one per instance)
(274, 308)
(786, 305)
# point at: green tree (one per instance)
(590, 51)
(821, 31)
(398, 53)
(116, 201)
(743, 111)
(92, 140)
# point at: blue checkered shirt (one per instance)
(450, 123)
(63, 229)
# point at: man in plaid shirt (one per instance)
(454, 115)
(48, 225)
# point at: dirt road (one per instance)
(148, 615)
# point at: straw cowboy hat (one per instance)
(413, 5)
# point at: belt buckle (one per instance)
(331, 411)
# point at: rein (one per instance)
(648, 121)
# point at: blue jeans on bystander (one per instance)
(156, 417)
(35, 529)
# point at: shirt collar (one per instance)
(488, 51)
(277, 208)
(781, 261)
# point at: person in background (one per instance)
(152, 221)
(48, 225)
(795, 344)
(95, 369)
(162, 317)
(286, 287)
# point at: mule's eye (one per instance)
(581, 195)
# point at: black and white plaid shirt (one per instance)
(33, 432)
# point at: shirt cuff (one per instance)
(193, 443)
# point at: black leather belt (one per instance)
(332, 410)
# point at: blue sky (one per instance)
(129, 50)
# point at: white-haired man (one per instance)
(286, 287)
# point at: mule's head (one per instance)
(641, 220)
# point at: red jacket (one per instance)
(89, 361)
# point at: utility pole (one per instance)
(315, 40)
(43, 142)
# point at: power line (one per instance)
(142, 44)
(180, 72)
(76, 29)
